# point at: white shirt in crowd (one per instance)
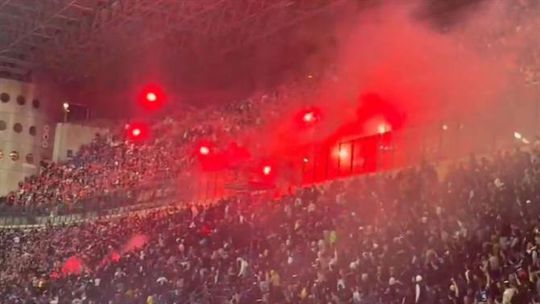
(243, 267)
(508, 294)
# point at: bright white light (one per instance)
(306, 160)
(65, 105)
(343, 154)
(518, 135)
(382, 128)
(309, 117)
(444, 127)
(136, 132)
(151, 97)
(204, 150)
(267, 170)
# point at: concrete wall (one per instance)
(26, 132)
(70, 137)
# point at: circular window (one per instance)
(21, 100)
(30, 158)
(32, 131)
(4, 97)
(17, 127)
(14, 155)
(3, 125)
(36, 103)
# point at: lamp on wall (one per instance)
(75, 112)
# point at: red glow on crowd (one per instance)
(136, 242)
(115, 257)
(73, 265)
(211, 158)
(346, 145)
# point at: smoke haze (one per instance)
(433, 65)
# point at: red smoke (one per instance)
(393, 80)
(135, 242)
(73, 265)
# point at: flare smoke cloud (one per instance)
(463, 67)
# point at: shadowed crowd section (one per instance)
(411, 236)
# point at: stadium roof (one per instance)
(73, 38)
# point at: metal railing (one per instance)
(149, 196)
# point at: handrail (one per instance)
(149, 196)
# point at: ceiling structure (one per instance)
(74, 38)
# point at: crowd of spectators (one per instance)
(101, 169)
(413, 236)
(100, 174)
(470, 236)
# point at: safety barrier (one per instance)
(148, 197)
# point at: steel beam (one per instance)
(38, 24)
(180, 17)
(255, 28)
(69, 32)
